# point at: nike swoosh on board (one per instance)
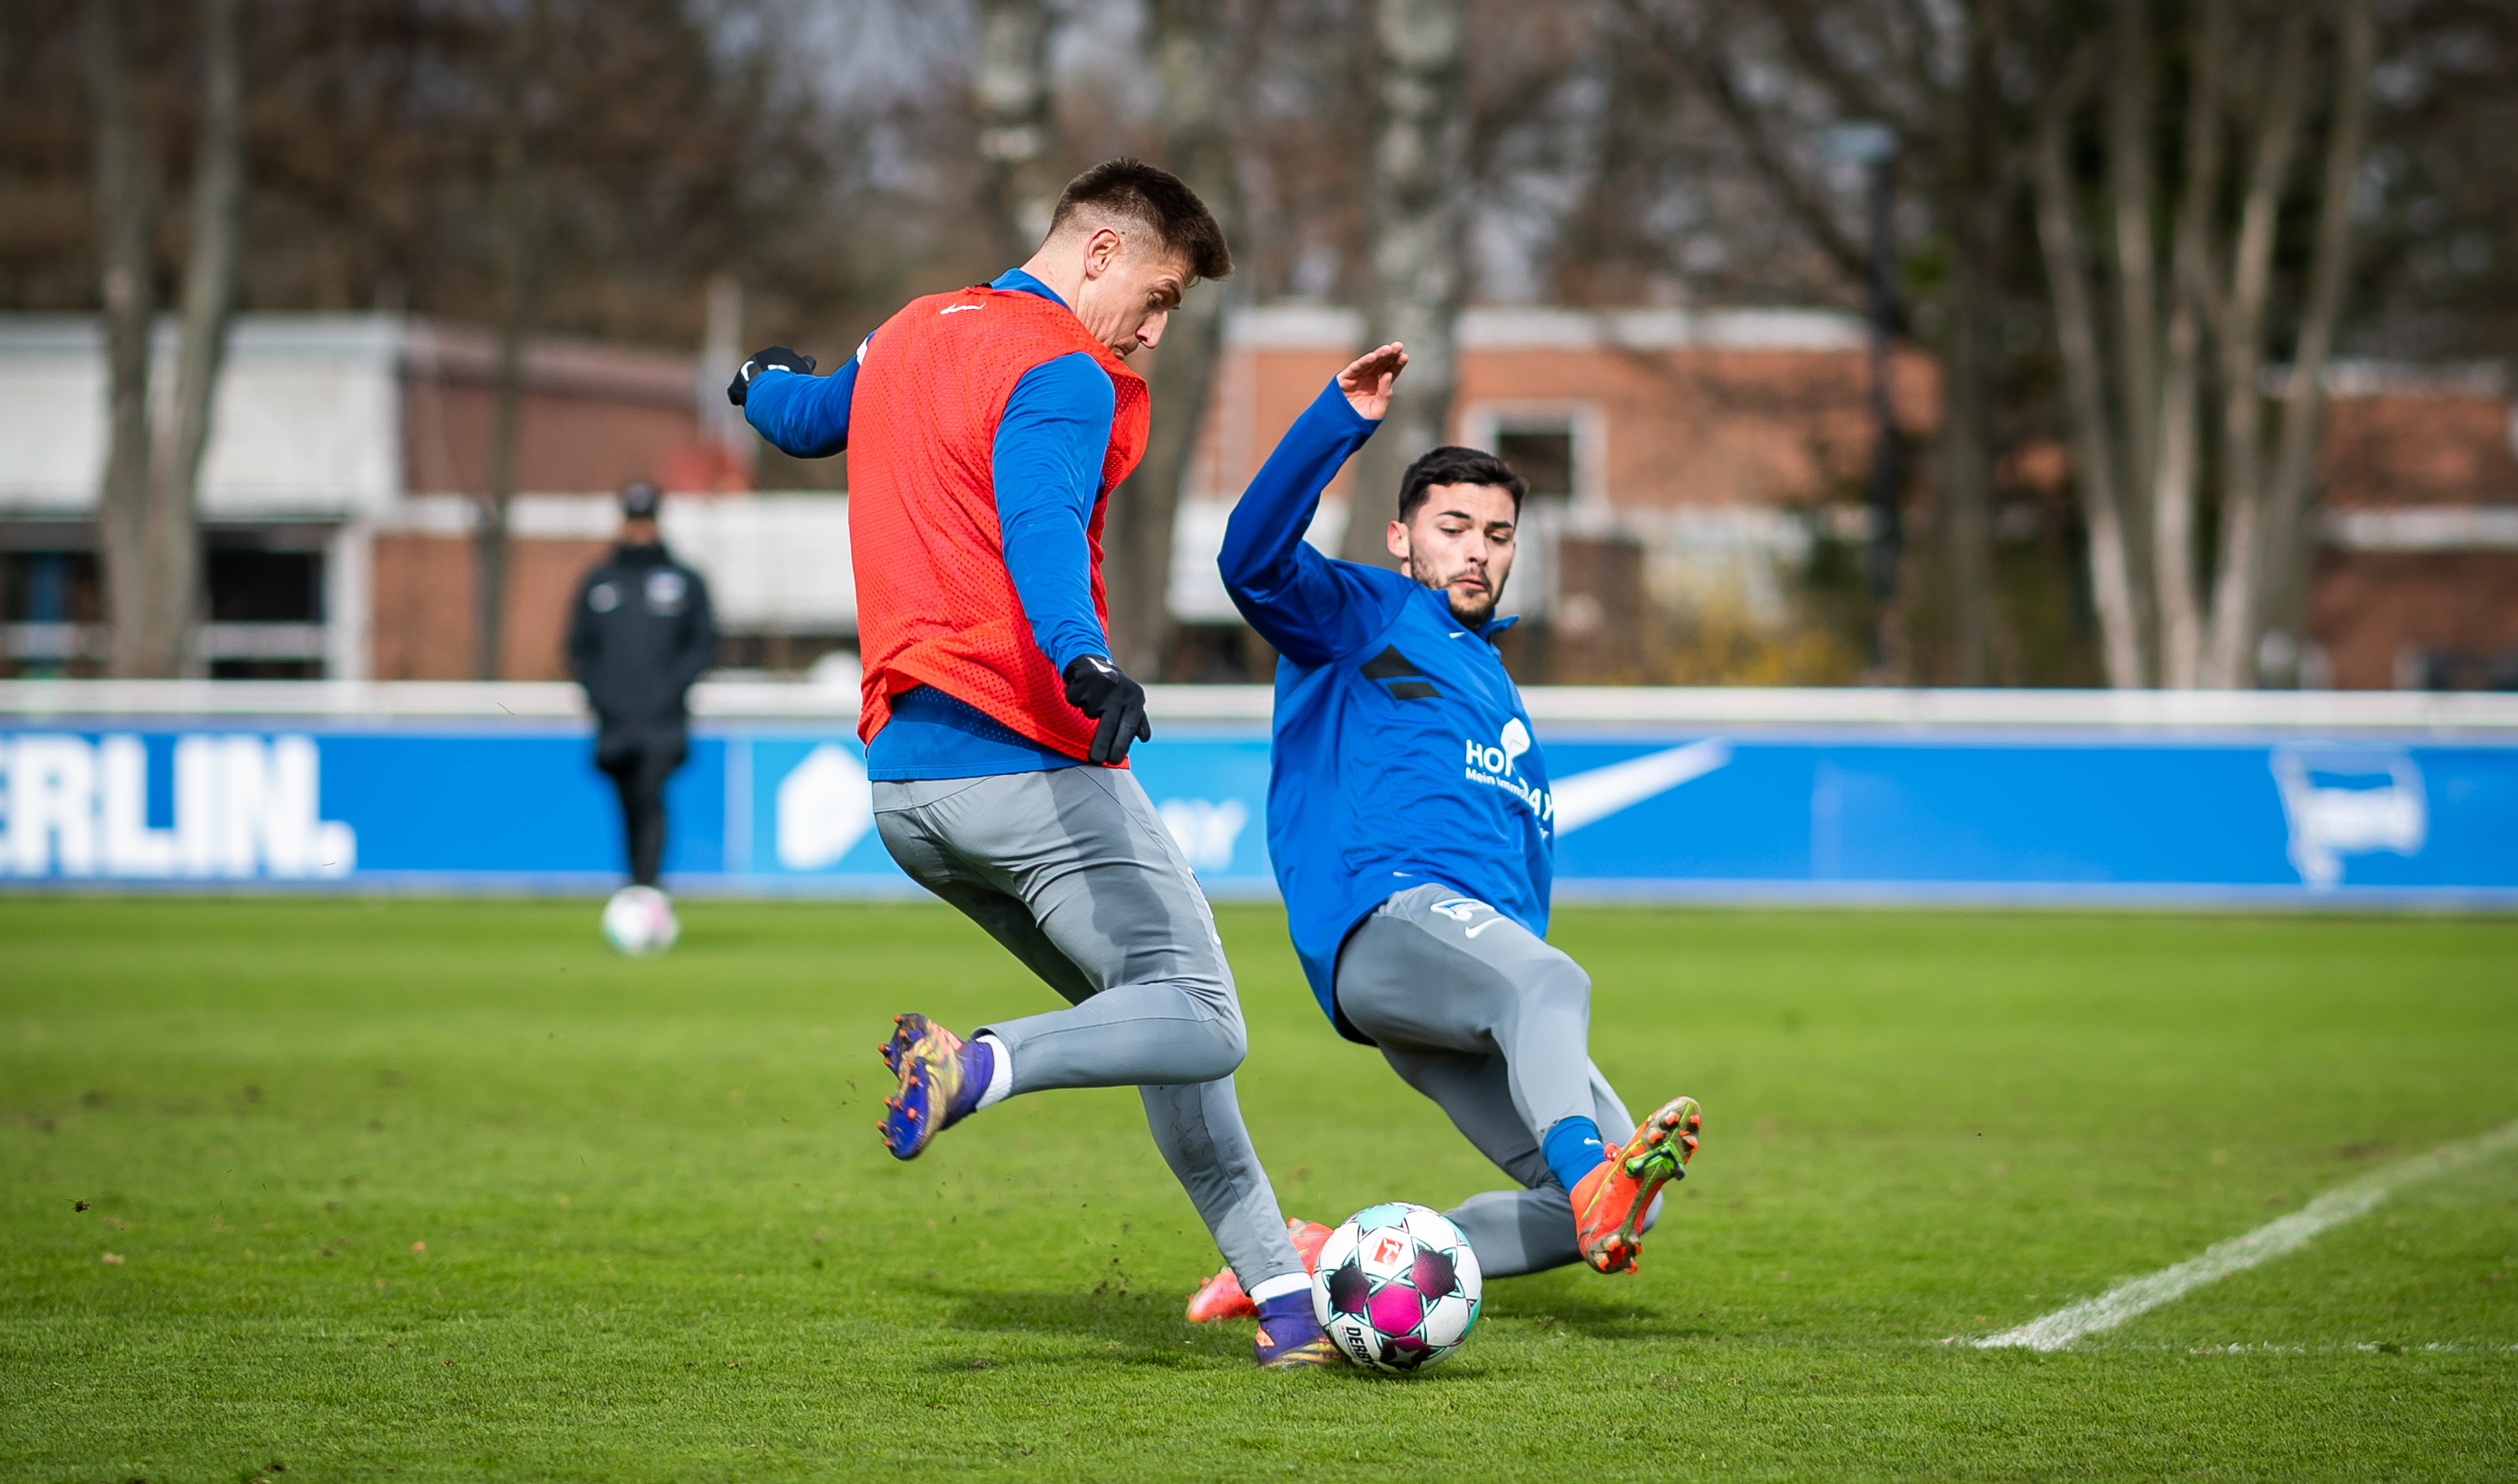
(1586, 799)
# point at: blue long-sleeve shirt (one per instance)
(1402, 755)
(1046, 465)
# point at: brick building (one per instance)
(1674, 456)
(2415, 584)
(339, 494)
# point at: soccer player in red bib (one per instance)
(984, 429)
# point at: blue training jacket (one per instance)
(1402, 752)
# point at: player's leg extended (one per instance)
(1525, 1230)
(1433, 969)
(1529, 1230)
(1198, 1129)
(944, 1078)
(1075, 874)
(1441, 1004)
(1493, 1024)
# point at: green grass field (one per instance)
(443, 1190)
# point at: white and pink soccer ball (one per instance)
(640, 921)
(1397, 1286)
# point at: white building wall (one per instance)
(306, 424)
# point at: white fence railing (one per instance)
(1683, 706)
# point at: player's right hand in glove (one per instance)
(1103, 692)
(775, 358)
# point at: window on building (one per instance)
(49, 604)
(254, 586)
(265, 596)
(1544, 460)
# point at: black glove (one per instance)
(1100, 690)
(776, 358)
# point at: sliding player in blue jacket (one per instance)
(1411, 827)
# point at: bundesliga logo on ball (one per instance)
(1397, 1286)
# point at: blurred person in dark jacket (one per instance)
(638, 636)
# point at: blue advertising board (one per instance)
(774, 807)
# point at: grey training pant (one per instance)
(1480, 1015)
(1073, 872)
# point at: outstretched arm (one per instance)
(802, 415)
(1309, 608)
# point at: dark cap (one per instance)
(640, 499)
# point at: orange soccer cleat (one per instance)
(1610, 1203)
(1221, 1297)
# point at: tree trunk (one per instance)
(124, 202)
(2136, 290)
(1970, 203)
(1965, 466)
(490, 535)
(2085, 400)
(1187, 40)
(2130, 185)
(174, 537)
(519, 202)
(1016, 124)
(2180, 618)
(2229, 657)
(2285, 545)
(1419, 268)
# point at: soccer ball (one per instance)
(638, 921)
(1397, 1286)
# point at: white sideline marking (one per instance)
(2140, 1296)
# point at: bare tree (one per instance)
(149, 511)
(1778, 72)
(1419, 269)
(1017, 122)
(678, 139)
(2137, 283)
(2230, 643)
(124, 202)
(1189, 39)
(210, 303)
(2284, 553)
(2175, 483)
(519, 214)
(2210, 340)
(2095, 469)
(1970, 194)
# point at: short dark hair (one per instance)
(1155, 198)
(1453, 465)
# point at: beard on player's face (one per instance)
(1460, 541)
(1471, 587)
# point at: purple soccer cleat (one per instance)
(1290, 1338)
(942, 1077)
